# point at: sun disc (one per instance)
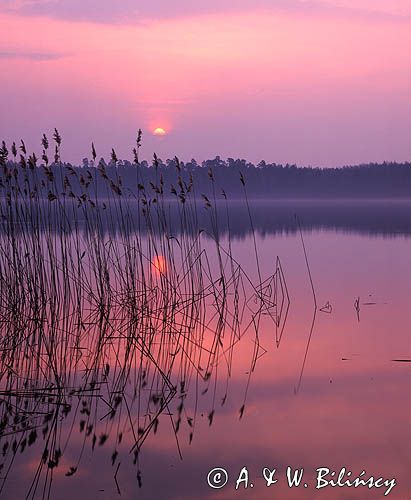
(159, 131)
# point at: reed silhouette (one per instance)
(111, 321)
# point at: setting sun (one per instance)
(159, 131)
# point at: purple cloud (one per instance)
(32, 56)
(130, 11)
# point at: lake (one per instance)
(272, 341)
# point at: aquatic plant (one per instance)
(117, 309)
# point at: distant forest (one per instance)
(217, 177)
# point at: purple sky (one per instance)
(312, 82)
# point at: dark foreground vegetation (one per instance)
(111, 323)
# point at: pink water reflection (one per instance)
(351, 409)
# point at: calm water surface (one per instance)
(334, 393)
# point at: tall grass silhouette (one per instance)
(114, 314)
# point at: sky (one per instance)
(311, 82)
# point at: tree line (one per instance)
(230, 178)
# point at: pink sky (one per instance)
(319, 83)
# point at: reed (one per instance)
(115, 315)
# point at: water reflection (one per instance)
(389, 218)
(207, 362)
